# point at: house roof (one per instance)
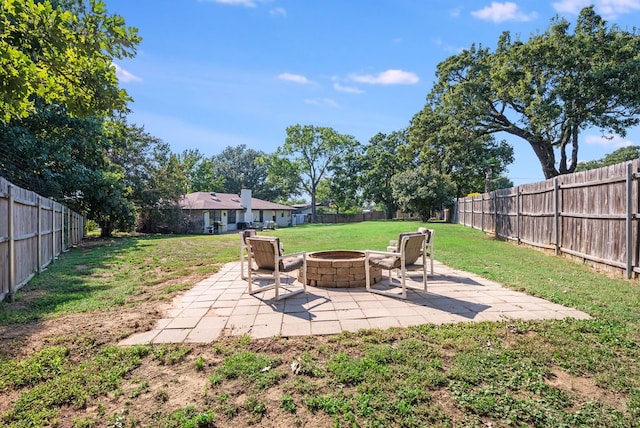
(225, 201)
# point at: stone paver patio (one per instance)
(220, 305)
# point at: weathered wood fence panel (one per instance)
(33, 232)
(591, 215)
(349, 218)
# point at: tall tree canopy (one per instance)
(422, 190)
(313, 152)
(546, 90)
(380, 162)
(472, 161)
(61, 52)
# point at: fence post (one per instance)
(53, 232)
(482, 212)
(495, 209)
(39, 245)
(629, 218)
(556, 215)
(518, 214)
(12, 247)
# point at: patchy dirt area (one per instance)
(154, 388)
(157, 388)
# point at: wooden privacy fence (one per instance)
(349, 218)
(33, 232)
(592, 215)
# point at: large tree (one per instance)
(62, 53)
(242, 169)
(382, 159)
(344, 189)
(473, 162)
(547, 89)
(422, 190)
(313, 152)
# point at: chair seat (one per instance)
(266, 253)
(291, 263)
(389, 262)
(411, 248)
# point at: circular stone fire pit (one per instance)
(338, 268)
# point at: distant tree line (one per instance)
(64, 131)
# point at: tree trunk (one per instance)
(546, 156)
(106, 229)
(313, 205)
(390, 212)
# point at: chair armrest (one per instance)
(299, 253)
(380, 253)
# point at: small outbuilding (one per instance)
(223, 212)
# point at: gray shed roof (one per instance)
(225, 201)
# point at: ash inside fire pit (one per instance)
(338, 268)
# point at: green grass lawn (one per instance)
(543, 373)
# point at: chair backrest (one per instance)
(247, 233)
(264, 250)
(430, 234)
(412, 245)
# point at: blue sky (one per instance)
(216, 73)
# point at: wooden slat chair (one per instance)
(428, 245)
(411, 249)
(265, 252)
(244, 250)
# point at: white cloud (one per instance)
(446, 47)
(500, 12)
(278, 11)
(125, 76)
(245, 3)
(295, 78)
(389, 77)
(348, 89)
(608, 141)
(609, 9)
(322, 102)
(570, 6)
(455, 13)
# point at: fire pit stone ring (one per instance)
(338, 268)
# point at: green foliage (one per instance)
(380, 162)
(64, 57)
(41, 366)
(544, 90)
(254, 369)
(170, 354)
(465, 374)
(189, 417)
(255, 407)
(468, 159)
(313, 152)
(620, 155)
(421, 191)
(112, 272)
(200, 363)
(288, 404)
(73, 384)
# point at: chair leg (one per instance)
(431, 258)
(242, 275)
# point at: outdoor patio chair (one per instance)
(244, 249)
(405, 259)
(428, 245)
(266, 253)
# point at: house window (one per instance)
(216, 215)
(261, 216)
(231, 218)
